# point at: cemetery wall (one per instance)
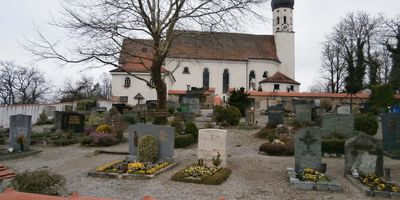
(36, 109)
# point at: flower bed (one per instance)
(123, 169)
(310, 179)
(377, 183)
(202, 174)
(312, 175)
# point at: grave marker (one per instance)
(275, 115)
(304, 112)
(391, 132)
(307, 148)
(20, 125)
(212, 142)
(165, 137)
(338, 124)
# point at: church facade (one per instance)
(216, 62)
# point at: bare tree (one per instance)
(106, 86)
(354, 34)
(333, 67)
(392, 35)
(102, 25)
(22, 85)
(78, 90)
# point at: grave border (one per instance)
(294, 182)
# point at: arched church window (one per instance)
(252, 80)
(225, 81)
(277, 20)
(284, 20)
(265, 74)
(127, 82)
(186, 70)
(206, 78)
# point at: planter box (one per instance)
(129, 176)
(16, 155)
(332, 185)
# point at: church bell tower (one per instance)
(284, 35)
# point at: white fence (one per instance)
(36, 109)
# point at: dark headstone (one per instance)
(68, 108)
(364, 153)
(20, 125)
(303, 112)
(165, 137)
(192, 103)
(338, 124)
(317, 114)
(391, 132)
(275, 115)
(307, 148)
(250, 116)
(69, 121)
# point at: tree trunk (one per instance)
(162, 97)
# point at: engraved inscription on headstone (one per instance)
(307, 148)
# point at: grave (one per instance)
(275, 115)
(250, 116)
(20, 125)
(165, 136)
(364, 153)
(344, 110)
(307, 144)
(337, 124)
(69, 121)
(192, 103)
(391, 133)
(307, 148)
(212, 142)
(304, 112)
(317, 114)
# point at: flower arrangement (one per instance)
(375, 182)
(20, 139)
(200, 170)
(309, 174)
(217, 161)
(123, 166)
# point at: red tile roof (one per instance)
(206, 45)
(5, 173)
(311, 95)
(139, 65)
(279, 78)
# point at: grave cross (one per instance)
(308, 139)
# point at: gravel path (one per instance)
(254, 177)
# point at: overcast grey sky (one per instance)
(313, 20)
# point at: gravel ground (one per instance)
(254, 176)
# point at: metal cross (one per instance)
(308, 139)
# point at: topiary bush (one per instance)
(219, 114)
(104, 128)
(40, 182)
(191, 128)
(333, 145)
(239, 99)
(130, 118)
(367, 123)
(232, 115)
(177, 123)
(182, 141)
(147, 149)
(43, 119)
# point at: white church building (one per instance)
(217, 62)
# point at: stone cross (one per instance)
(308, 139)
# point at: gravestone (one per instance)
(212, 141)
(304, 112)
(364, 153)
(192, 103)
(344, 110)
(250, 116)
(49, 111)
(20, 125)
(307, 148)
(317, 114)
(69, 121)
(165, 137)
(275, 115)
(68, 108)
(338, 124)
(391, 132)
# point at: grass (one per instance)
(216, 179)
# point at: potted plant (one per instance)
(21, 141)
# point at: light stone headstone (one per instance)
(337, 124)
(307, 148)
(304, 112)
(391, 132)
(212, 141)
(20, 125)
(364, 153)
(344, 110)
(165, 137)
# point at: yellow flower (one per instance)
(107, 165)
(381, 187)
